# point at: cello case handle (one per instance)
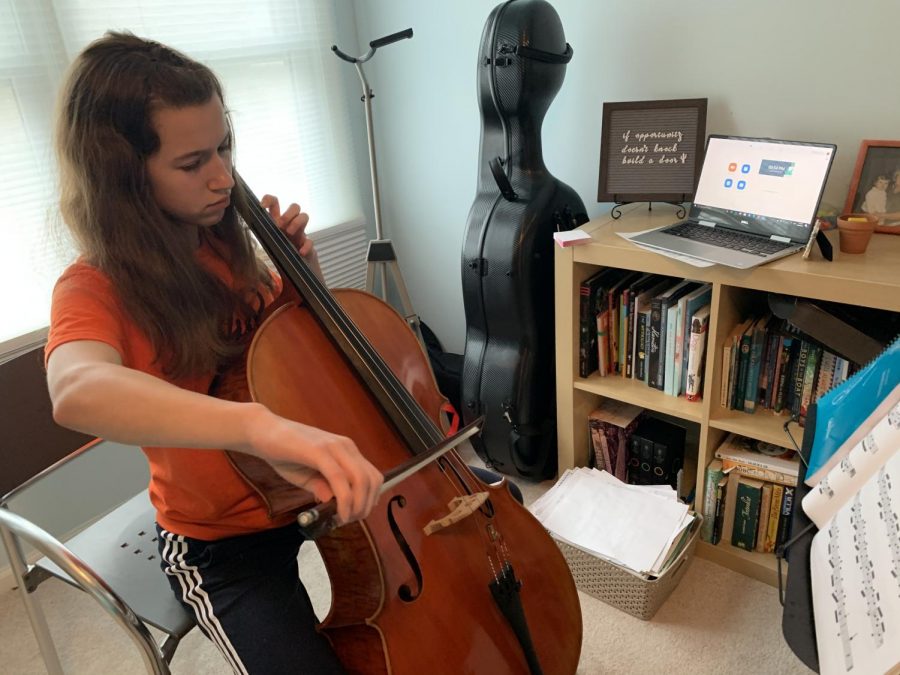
(506, 188)
(541, 55)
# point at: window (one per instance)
(282, 85)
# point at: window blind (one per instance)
(282, 87)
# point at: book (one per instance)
(743, 366)
(693, 301)
(640, 312)
(826, 374)
(729, 506)
(744, 455)
(798, 373)
(762, 523)
(696, 359)
(587, 321)
(666, 448)
(754, 364)
(810, 376)
(672, 321)
(645, 474)
(731, 360)
(746, 513)
(638, 287)
(612, 424)
(603, 342)
(659, 308)
(643, 345)
(726, 369)
(753, 471)
(593, 299)
(790, 354)
(634, 460)
(786, 516)
(612, 304)
(721, 498)
(771, 537)
(770, 363)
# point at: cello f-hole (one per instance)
(404, 592)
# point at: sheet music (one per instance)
(633, 525)
(855, 569)
(852, 468)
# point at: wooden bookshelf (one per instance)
(868, 280)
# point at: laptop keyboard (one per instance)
(723, 238)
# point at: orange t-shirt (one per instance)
(197, 493)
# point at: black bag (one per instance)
(507, 263)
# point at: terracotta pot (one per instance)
(854, 231)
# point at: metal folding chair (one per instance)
(114, 559)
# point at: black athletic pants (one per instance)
(248, 599)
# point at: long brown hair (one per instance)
(104, 136)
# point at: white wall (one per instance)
(807, 69)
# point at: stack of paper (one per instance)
(635, 526)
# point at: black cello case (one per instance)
(507, 263)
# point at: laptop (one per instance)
(756, 201)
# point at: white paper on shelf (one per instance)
(599, 514)
(680, 257)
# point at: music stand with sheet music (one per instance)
(838, 415)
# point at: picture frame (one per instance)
(877, 167)
(651, 151)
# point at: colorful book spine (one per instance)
(810, 377)
(762, 522)
(784, 519)
(754, 365)
(776, 359)
(603, 342)
(721, 500)
(798, 372)
(714, 474)
(640, 361)
(726, 369)
(737, 397)
(746, 513)
(759, 472)
(654, 344)
(696, 356)
(669, 368)
(774, 518)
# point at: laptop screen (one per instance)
(762, 186)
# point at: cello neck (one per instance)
(413, 424)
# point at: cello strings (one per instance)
(423, 426)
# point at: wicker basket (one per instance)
(622, 588)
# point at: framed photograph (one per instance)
(651, 151)
(875, 185)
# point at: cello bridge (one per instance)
(460, 507)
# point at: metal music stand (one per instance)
(380, 255)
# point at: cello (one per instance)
(446, 573)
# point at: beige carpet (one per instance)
(715, 621)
